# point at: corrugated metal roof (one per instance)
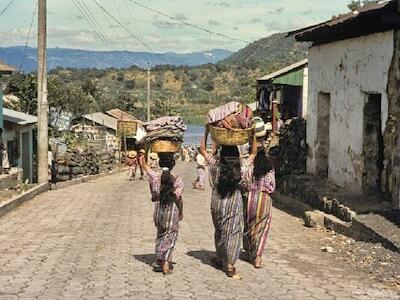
(102, 119)
(372, 24)
(17, 117)
(122, 115)
(6, 69)
(284, 70)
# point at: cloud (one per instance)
(284, 26)
(219, 4)
(255, 20)
(213, 23)
(307, 12)
(181, 17)
(277, 11)
(161, 24)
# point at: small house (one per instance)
(98, 127)
(20, 135)
(284, 91)
(353, 110)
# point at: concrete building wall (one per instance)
(348, 70)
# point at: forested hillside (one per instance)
(189, 91)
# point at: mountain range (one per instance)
(81, 59)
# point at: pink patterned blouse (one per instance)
(155, 184)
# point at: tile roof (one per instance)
(6, 69)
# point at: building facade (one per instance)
(350, 67)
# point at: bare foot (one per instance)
(258, 262)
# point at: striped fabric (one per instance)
(166, 218)
(258, 216)
(258, 213)
(227, 215)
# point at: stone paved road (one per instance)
(95, 240)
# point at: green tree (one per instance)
(25, 88)
(354, 5)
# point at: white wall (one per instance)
(305, 92)
(348, 70)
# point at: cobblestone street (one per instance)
(96, 240)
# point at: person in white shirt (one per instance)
(200, 182)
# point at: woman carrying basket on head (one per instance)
(166, 190)
(260, 179)
(226, 177)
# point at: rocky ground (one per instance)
(96, 241)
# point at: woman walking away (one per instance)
(201, 172)
(166, 191)
(132, 162)
(226, 171)
(258, 209)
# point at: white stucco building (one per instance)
(350, 63)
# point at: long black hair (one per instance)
(167, 163)
(262, 165)
(229, 174)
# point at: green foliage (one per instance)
(354, 5)
(25, 88)
(188, 91)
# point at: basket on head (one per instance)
(162, 146)
(233, 137)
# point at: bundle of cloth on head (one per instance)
(165, 128)
(232, 115)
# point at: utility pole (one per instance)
(42, 107)
(148, 94)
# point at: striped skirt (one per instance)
(258, 216)
(227, 215)
(166, 219)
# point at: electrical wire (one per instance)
(100, 29)
(6, 7)
(189, 24)
(129, 31)
(28, 38)
(95, 29)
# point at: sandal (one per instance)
(231, 273)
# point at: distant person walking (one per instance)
(132, 163)
(142, 153)
(226, 171)
(200, 181)
(166, 193)
(5, 163)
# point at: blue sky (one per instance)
(243, 19)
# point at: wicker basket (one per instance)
(233, 137)
(164, 146)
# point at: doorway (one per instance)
(373, 147)
(323, 123)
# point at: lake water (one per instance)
(193, 135)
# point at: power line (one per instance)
(28, 38)
(94, 27)
(189, 24)
(101, 30)
(127, 30)
(7, 6)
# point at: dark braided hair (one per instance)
(229, 174)
(262, 165)
(167, 180)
